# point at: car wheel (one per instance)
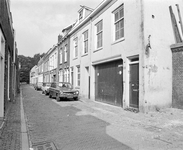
(57, 97)
(75, 98)
(50, 96)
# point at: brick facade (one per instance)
(177, 62)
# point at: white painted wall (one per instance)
(158, 65)
(128, 46)
(83, 59)
(2, 59)
(143, 19)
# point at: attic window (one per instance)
(80, 14)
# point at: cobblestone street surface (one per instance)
(10, 137)
(89, 125)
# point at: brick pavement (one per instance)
(10, 138)
(86, 125)
(48, 121)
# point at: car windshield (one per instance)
(48, 85)
(65, 85)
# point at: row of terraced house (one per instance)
(119, 53)
(9, 71)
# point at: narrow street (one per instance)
(89, 125)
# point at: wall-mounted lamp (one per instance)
(148, 46)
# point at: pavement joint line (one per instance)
(2, 124)
(24, 135)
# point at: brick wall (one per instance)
(177, 60)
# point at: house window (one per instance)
(99, 27)
(75, 47)
(68, 74)
(78, 75)
(60, 56)
(60, 76)
(80, 14)
(65, 53)
(65, 75)
(85, 37)
(119, 22)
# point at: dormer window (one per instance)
(84, 12)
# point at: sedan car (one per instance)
(38, 86)
(63, 90)
(45, 88)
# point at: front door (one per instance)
(134, 85)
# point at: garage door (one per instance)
(109, 82)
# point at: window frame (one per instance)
(99, 25)
(60, 75)
(61, 53)
(65, 53)
(85, 42)
(72, 75)
(68, 75)
(118, 14)
(75, 47)
(78, 76)
(65, 75)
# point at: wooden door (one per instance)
(134, 85)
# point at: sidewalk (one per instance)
(165, 125)
(13, 135)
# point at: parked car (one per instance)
(35, 86)
(45, 88)
(63, 90)
(38, 86)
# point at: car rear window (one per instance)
(66, 85)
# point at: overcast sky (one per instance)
(39, 22)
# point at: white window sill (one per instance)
(98, 49)
(117, 41)
(84, 54)
(75, 58)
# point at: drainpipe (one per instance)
(89, 96)
(142, 101)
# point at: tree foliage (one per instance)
(26, 65)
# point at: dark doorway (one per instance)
(134, 85)
(87, 82)
(109, 82)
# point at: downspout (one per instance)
(91, 31)
(142, 101)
